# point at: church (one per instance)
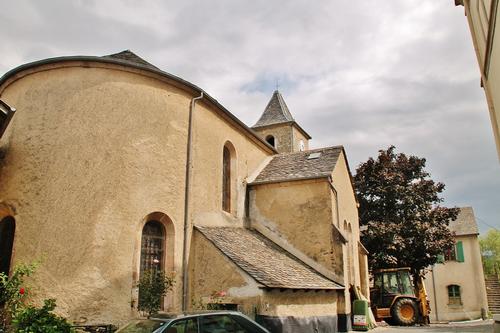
(110, 166)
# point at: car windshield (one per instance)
(143, 326)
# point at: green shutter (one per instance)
(460, 251)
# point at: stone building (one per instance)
(111, 167)
(483, 19)
(456, 286)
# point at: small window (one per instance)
(302, 146)
(270, 139)
(313, 156)
(454, 297)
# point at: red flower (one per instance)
(21, 291)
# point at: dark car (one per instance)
(206, 322)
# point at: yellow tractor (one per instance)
(394, 299)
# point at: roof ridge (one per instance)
(309, 151)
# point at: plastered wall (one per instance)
(300, 212)
(90, 153)
(468, 275)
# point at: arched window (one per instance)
(454, 297)
(153, 246)
(302, 146)
(226, 179)
(7, 229)
(270, 139)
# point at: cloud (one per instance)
(362, 73)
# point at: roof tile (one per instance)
(299, 165)
(265, 261)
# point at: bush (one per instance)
(41, 320)
(13, 293)
(153, 286)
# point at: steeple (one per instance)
(277, 126)
(276, 112)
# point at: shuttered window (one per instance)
(460, 252)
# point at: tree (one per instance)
(402, 222)
(490, 248)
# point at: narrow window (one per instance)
(450, 254)
(454, 297)
(7, 229)
(270, 139)
(302, 146)
(226, 180)
(152, 247)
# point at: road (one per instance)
(470, 327)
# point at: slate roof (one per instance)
(276, 112)
(131, 57)
(465, 224)
(295, 166)
(265, 261)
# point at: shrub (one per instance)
(13, 292)
(41, 320)
(153, 286)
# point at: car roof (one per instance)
(174, 315)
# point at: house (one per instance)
(456, 287)
(111, 167)
(483, 19)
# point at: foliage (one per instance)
(31, 319)
(402, 222)
(13, 292)
(153, 286)
(490, 248)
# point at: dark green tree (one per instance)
(401, 220)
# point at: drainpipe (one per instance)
(187, 225)
(330, 182)
(434, 290)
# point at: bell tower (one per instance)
(277, 126)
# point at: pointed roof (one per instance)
(465, 224)
(276, 112)
(130, 56)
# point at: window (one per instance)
(184, 326)
(7, 229)
(152, 246)
(302, 147)
(454, 295)
(222, 323)
(455, 253)
(270, 139)
(226, 180)
(450, 254)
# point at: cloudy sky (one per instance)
(362, 73)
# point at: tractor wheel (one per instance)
(404, 312)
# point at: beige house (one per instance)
(456, 287)
(483, 19)
(111, 167)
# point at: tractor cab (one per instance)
(393, 297)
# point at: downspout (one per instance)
(330, 182)
(434, 292)
(187, 225)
